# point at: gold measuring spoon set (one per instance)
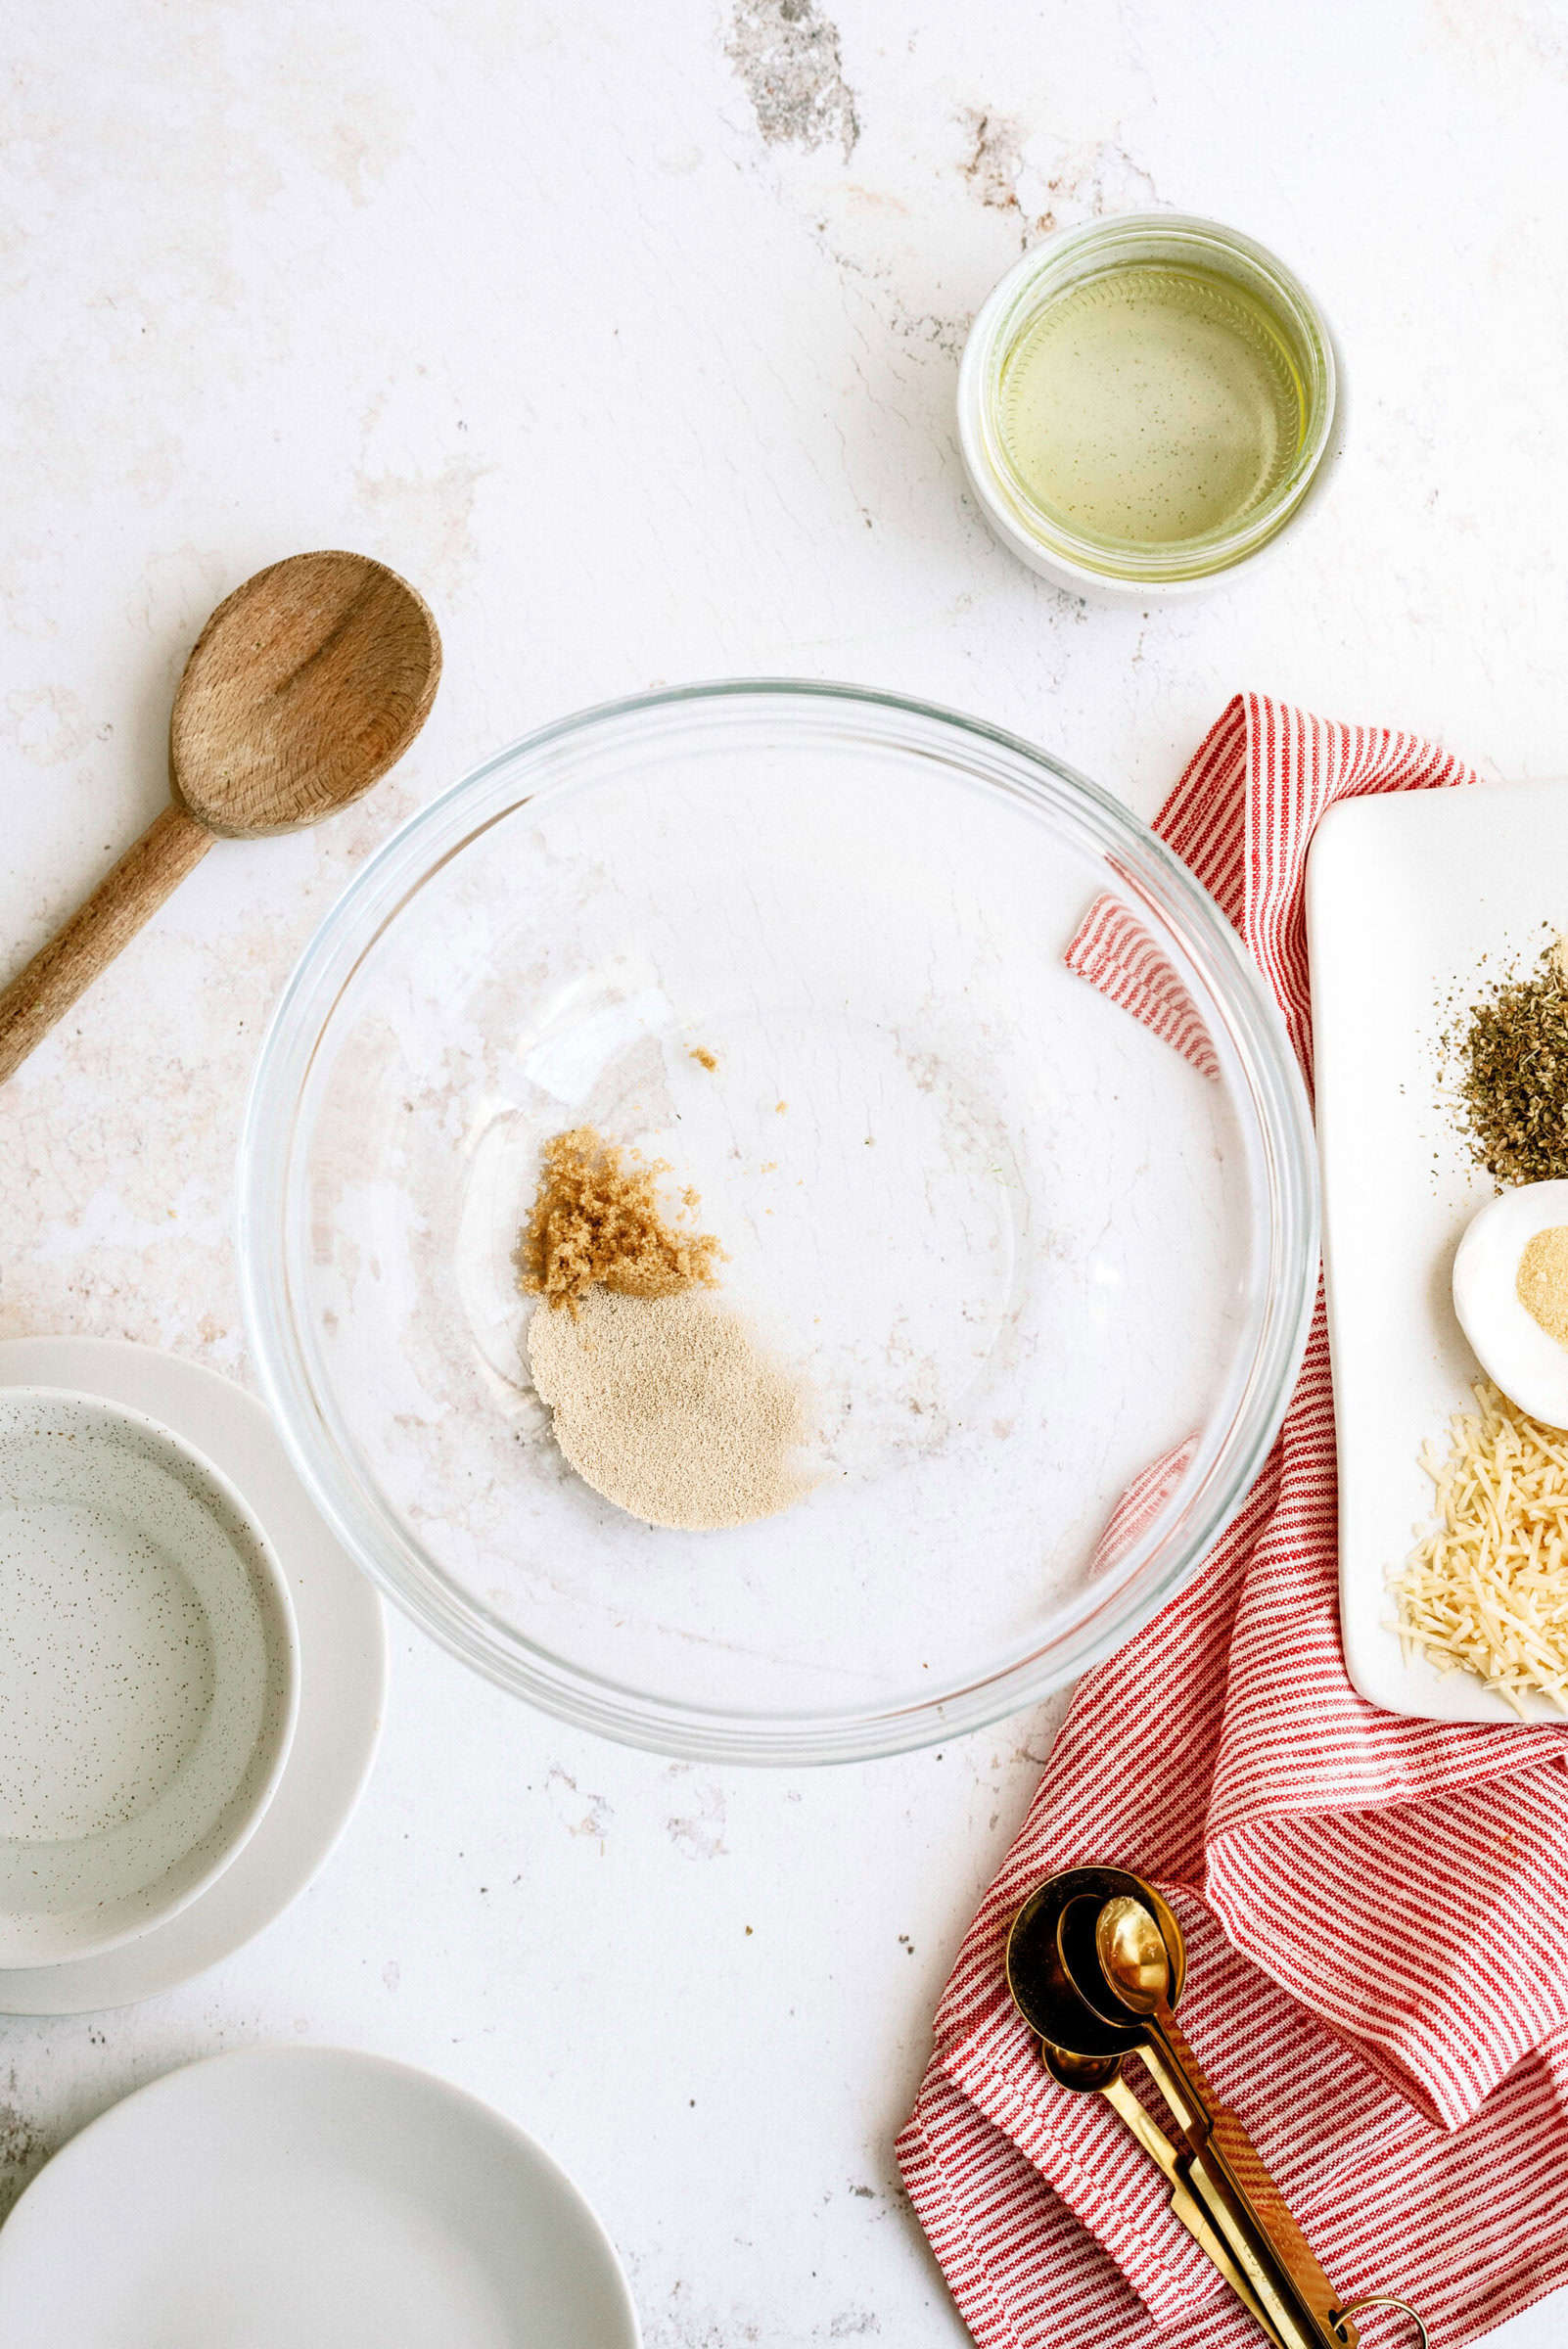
(1096, 1963)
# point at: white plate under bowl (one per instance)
(307, 2198)
(1417, 902)
(149, 1677)
(342, 1649)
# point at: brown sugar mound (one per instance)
(597, 1224)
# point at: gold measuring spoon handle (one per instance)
(1228, 2175)
(1387, 2300)
(1187, 2209)
(1128, 1966)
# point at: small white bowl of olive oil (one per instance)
(1146, 402)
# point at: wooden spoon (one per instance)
(305, 685)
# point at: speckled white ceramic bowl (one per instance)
(148, 1675)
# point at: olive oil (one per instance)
(1151, 404)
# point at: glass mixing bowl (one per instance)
(804, 943)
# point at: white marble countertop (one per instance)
(630, 335)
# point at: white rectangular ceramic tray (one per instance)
(1413, 901)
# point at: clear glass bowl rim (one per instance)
(418, 1585)
(1093, 245)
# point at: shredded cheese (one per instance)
(1487, 1585)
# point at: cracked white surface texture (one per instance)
(631, 336)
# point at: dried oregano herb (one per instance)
(1508, 1055)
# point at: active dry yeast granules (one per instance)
(661, 1396)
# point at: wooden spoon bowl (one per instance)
(305, 685)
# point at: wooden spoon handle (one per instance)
(172, 844)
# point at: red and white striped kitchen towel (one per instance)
(1376, 1909)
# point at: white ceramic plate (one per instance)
(343, 1675)
(147, 1676)
(307, 2198)
(1413, 902)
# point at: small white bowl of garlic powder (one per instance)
(1510, 1294)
